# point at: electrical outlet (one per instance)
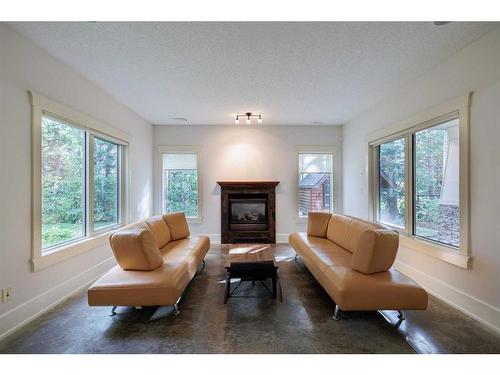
(6, 294)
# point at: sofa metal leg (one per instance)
(113, 313)
(336, 313)
(176, 307)
(401, 316)
(296, 257)
(203, 265)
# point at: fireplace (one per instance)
(248, 211)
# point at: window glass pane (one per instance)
(180, 184)
(106, 177)
(315, 182)
(63, 176)
(391, 179)
(437, 183)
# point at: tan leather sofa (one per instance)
(351, 259)
(157, 258)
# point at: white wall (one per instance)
(475, 68)
(246, 152)
(23, 67)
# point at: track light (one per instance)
(249, 116)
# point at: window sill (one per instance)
(194, 220)
(436, 251)
(68, 251)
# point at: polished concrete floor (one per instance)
(251, 322)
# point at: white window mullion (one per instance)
(409, 184)
(89, 185)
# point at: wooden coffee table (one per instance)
(251, 262)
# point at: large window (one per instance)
(434, 179)
(180, 192)
(78, 181)
(420, 172)
(315, 182)
(65, 182)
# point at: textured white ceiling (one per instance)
(292, 73)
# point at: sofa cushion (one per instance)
(317, 223)
(376, 251)
(160, 230)
(390, 290)
(163, 286)
(135, 248)
(190, 250)
(177, 224)
(346, 231)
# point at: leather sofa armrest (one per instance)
(376, 251)
(136, 249)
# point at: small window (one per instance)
(391, 183)
(315, 182)
(180, 183)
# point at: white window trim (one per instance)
(459, 107)
(335, 203)
(167, 149)
(40, 105)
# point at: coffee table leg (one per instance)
(228, 286)
(274, 286)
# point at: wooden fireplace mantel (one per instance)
(247, 183)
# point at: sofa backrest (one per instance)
(346, 231)
(177, 224)
(374, 246)
(160, 230)
(317, 223)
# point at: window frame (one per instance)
(43, 106)
(171, 149)
(458, 108)
(336, 186)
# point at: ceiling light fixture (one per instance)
(249, 116)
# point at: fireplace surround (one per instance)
(248, 210)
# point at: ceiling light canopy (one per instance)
(248, 116)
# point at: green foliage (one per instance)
(105, 182)
(392, 194)
(429, 153)
(181, 191)
(63, 182)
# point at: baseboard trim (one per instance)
(479, 310)
(282, 237)
(24, 313)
